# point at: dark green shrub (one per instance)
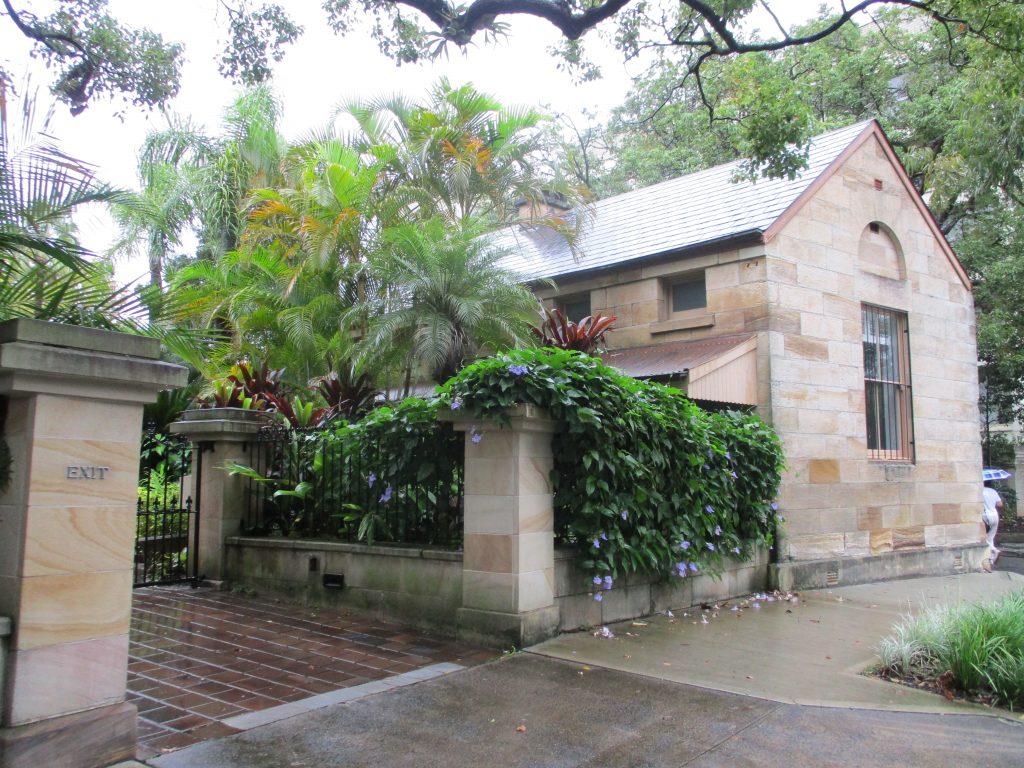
(393, 476)
(644, 480)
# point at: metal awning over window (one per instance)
(722, 369)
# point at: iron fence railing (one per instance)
(166, 522)
(341, 484)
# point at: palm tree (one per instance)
(248, 157)
(153, 221)
(449, 300)
(191, 180)
(44, 272)
(256, 303)
(461, 156)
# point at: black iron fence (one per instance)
(352, 485)
(167, 522)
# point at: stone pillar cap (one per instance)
(53, 358)
(221, 423)
(524, 416)
(76, 337)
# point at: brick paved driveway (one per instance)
(202, 657)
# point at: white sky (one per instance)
(317, 73)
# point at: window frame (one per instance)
(669, 288)
(888, 395)
(563, 305)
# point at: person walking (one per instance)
(990, 516)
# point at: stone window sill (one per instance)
(683, 324)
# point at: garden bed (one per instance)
(967, 652)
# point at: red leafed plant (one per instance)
(255, 382)
(346, 392)
(297, 414)
(585, 336)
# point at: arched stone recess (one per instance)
(879, 252)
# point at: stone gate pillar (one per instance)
(508, 585)
(74, 400)
(219, 437)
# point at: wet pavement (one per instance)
(663, 694)
(810, 651)
(528, 711)
(203, 662)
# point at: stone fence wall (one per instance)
(424, 586)
(507, 586)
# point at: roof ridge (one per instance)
(855, 128)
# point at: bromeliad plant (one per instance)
(559, 332)
(644, 480)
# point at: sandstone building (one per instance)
(833, 305)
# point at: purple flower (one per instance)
(711, 546)
(518, 370)
(597, 580)
(728, 455)
(710, 509)
(386, 496)
(706, 467)
(736, 550)
(775, 505)
(684, 545)
(681, 569)
(734, 475)
(711, 454)
(718, 530)
(597, 543)
(693, 567)
(599, 597)
(624, 515)
(371, 479)
(456, 404)
(475, 436)
(608, 582)
(604, 536)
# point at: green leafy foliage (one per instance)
(393, 476)
(644, 480)
(94, 54)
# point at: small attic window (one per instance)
(688, 294)
(873, 226)
(878, 184)
(575, 308)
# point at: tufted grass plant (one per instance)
(981, 645)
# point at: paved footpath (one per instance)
(563, 703)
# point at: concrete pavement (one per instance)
(664, 694)
(810, 652)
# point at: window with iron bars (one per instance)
(890, 430)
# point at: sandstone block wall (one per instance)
(802, 293)
(823, 265)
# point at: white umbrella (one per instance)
(994, 474)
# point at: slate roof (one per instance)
(693, 210)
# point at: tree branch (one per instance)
(46, 38)
(717, 36)
(461, 26)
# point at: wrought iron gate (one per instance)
(167, 522)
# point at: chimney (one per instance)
(548, 205)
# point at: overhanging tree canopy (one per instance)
(93, 53)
